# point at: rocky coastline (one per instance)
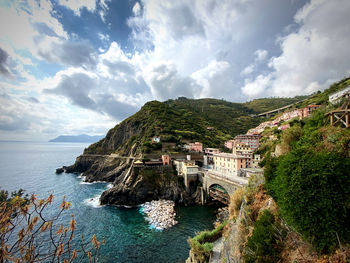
(132, 185)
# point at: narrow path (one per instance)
(215, 258)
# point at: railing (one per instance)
(229, 177)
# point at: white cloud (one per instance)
(260, 55)
(104, 9)
(314, 56)
(77, 5)
(256, 88)
(182, 48)
(248, 70)
(136, 9)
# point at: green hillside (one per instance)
(267, 104)
(228, 117)
(308, 174)
(210, 121)
(322, 97)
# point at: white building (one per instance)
(336, 97)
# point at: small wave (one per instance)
(94, 182)
(109, 186)
(83, 182)
(82, 178)
(94, 202)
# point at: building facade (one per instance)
(251, 140)
(229, 164)
(209, 152)
(229, 144)
(337, 96)
(194, 147)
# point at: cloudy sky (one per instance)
(81, 66)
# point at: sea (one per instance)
(129, 238)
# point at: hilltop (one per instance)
(175, 122)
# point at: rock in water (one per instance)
(160, 214)
(59, 170)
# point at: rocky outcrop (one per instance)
(132, 185)
(98, 167)
(143, 184)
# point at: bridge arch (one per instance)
(219, 193)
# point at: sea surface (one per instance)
(129, 238)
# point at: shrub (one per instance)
(262, 246)
(290, 137)
(312, 190)
(25, 227)
(236, 202)
(201, 245)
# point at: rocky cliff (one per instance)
(142, 184)
(133, 185)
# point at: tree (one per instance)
(27, 234)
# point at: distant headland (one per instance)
(77, 138)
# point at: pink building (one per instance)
(166, 159)
(194, 147)
(251, 140)
(306, 112)
(229, 144)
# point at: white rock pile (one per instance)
(160, 214)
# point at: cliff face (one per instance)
(141, 184)
(133, 185)
(116, 138)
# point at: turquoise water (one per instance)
(129, 238)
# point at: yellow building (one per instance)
(241, 149)
(228, 163)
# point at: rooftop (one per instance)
(230, 155)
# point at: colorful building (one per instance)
(194, 147)
(306, 112)
(209, 152)
(228, 163)
(251, 140)
(185, 167)
(166, 159)
(229, 144)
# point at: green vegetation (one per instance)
(323, 97)
(231, 118)
(311, 182)
(263, 246)
(267, 104)
(209, 121)
(202, 244)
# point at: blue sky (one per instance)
(81, 66)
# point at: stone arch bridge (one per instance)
(220, 187)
